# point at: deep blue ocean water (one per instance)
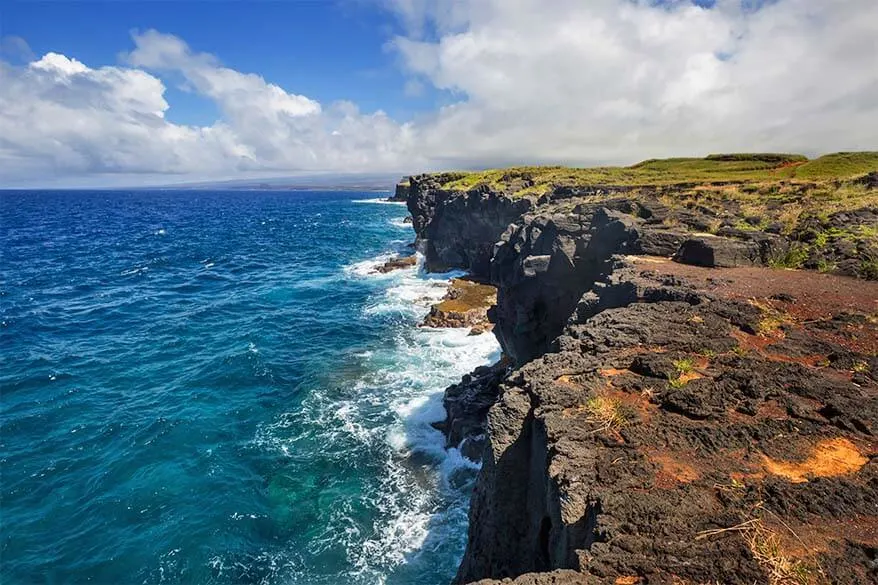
(215, 387)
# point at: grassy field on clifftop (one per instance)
(826, 208)
(720, 168)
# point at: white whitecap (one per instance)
(401, 222)
(369, 268)
(378, 201)
(390, 409)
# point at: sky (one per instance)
(130, 93)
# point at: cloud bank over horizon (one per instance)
(613, 81)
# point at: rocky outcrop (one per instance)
(559, 577)
(397, 264)
(683, 421)
(401, 192)
(543, 255)
(673, 407)
(542, 266)
(465, 305)
(466, 406)
(546, 261)
(458, 230)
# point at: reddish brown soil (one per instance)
(829, 457)
(789, 297)
(817, 296)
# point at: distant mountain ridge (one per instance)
(354, 182)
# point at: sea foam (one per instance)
(378, 201)
(421, 491)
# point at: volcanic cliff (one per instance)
(689, 392)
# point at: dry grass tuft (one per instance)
(772, 320)
(765, 545)
(782, 570)
(606, 412)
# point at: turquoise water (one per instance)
(213, 387)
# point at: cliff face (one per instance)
(543, 254)
(673, 407)
(458, 230)
(400, 192)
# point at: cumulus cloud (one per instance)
(59, 117)
(15, 49)
(616, 80)
(604, 81)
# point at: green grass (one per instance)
(713, 169)
(854, 233)
(684, 366)
(793, 258)
(841, 165)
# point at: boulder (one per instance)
(714, 251)
(397, 264)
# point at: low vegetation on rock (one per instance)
(717, 168)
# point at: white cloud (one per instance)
(60, 118)
(530, 81)
(617, 80)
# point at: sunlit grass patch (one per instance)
(606, 412)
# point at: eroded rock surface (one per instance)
(669, 436)
(397, 264)
(466, 406)
(676, 407)
(458, 230)
(465, 304)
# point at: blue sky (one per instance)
(324, 49)
(137, 93)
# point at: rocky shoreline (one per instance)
(674, 406)
(465, 304)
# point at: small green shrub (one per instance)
(684, 366)
(868, 269)
(825, 266)
(793, 258)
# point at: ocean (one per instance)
(216, 387)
